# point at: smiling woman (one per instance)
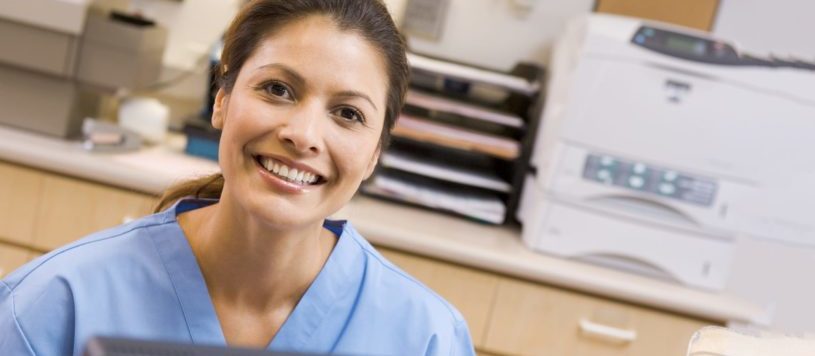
(309, 91)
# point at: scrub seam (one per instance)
(66, 249)
(175, 288)
(14, 316)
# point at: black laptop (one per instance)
(107, 346)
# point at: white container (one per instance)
(147, 117)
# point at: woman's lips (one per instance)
(304, 184)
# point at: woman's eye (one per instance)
(350, 114)
(279, 90)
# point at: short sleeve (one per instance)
(36, 317)
(453, 340)
(12, 339)
(463, 343)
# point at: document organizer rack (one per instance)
(463, 140)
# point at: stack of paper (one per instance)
(474, 204)
(447, 172)
(438, 103)
(456, 137)
(510, 82)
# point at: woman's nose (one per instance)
(301, 131)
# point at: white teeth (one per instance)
(291, 174)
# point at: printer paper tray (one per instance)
(581, 233)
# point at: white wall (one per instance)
(495, 34)
(769, 26)
(193, 25)
(779, 276)
(498, 33)
(397, 9)
(769, 272)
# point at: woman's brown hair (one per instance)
(261, 18)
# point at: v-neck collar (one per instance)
(187, 278)
(340, 275)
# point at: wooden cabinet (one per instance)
(471, 292)
(72, 208)
(12, 257)
(19, 199)
(43, 211)
(513, 317)
(532, 319)
(699, 14)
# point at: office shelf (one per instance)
(471, 74)
(461, 144)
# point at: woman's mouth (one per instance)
(287, 173)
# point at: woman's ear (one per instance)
(219, 109)
(372, 164)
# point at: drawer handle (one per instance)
(607, 332)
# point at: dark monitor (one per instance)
(107, 346)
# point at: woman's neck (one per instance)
(248, 264)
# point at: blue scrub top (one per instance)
(141, 280)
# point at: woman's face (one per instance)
(301, 126)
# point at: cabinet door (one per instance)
(531, 319)
(19, 198)
(470, 291)
(11, 257)
(699, 14)
(71, 209)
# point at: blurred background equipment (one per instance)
(61, 56)
(655, 139)
(462, 142)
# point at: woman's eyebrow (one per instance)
(289, 71)
(301, 81)
(354, 93)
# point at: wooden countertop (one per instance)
(489, 248)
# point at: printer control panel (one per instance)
(706, 50)
(649, 179)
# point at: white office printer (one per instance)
(653, 139)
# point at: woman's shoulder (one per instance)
(403, 309)
(93, 254)
(402, 289)
(38, 301)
